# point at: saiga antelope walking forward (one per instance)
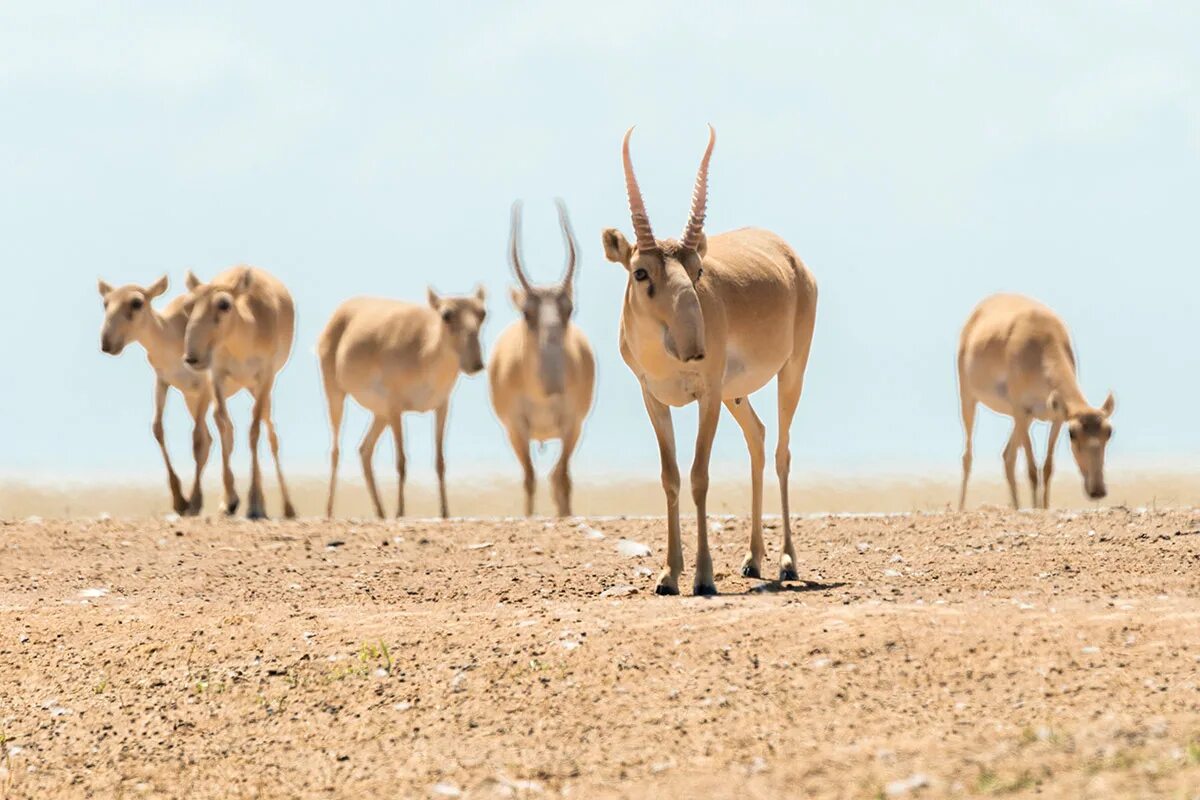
(129, 317)
(712, 320)
(1015, 356)
(394, 357)
(240, 332)
(542, 372)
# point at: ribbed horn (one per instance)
(637, 208)
(569, 239)
(695, 223)
(514, 246)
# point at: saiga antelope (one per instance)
(542, 372)
(129, 317)
(240, 332)
(1015, 356)
(394, 357)
(712, 320)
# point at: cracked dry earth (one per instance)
(954, 655)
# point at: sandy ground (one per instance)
(946, 655)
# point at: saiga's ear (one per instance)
(616, 247)
(191, 281)
(434, 301)
(104, 287)
(480, 292)
(1110, 405)
(702, 244)
(155, 289)
(245, 279)
(518, 298)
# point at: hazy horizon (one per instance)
(916, 161)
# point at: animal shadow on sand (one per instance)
(774, 587)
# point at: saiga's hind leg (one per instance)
(401, 461)
(791, 385)
(336, 399)
(365, 451)
(1020, 433)
(969, 404)
(755, 435)
(289, 511)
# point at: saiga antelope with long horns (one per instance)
(542, 372)
(712, 320)
(1015, 356)
(394, 357)
(129, 317)
(240, 332)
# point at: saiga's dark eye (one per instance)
(447, 316)
(641, 275)
(700, 273)
(135, 303)
(223, 304)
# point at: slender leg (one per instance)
(365, 451)
(518, 437)
(201, 447)
(1020, 431)
(560, 478)
(969, 406)
(257, 508)
(160, 402)
(336, 399)
(664, 431)
(1048, 467)
(791, 385)
(289, 511)
(440, 441)
(755, 434)
(710, 415)
(1031, 467)
(401, 462)
(225, 429)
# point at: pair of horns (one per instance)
(637, 207)
(514, 245)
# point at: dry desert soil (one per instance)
(924, 655)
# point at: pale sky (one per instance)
(917, 158)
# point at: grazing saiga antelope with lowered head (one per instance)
(542, 373)
(711, 320)
(240, 332)
(394, 357)
(1015, 356)
(129, 317)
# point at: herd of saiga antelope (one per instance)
(704, 319)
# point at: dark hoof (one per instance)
(750, 571)
(289, 512)
(256, 513)
(181, 507)
(788, 575)
(704, 590)
(666, 591)
(230, 509)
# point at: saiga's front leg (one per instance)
(160, 402)
(664, 431)
(710, 414)
(440, 436)
(225, 429)
(561, 476)
(201, 446)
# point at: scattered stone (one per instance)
(632, 549)
(334, 544)
(104, 516)
(863, 547)
(479, 546)
(906, 785)
(589, 532)
(446, 790)
(93, 592)
(619, 590)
